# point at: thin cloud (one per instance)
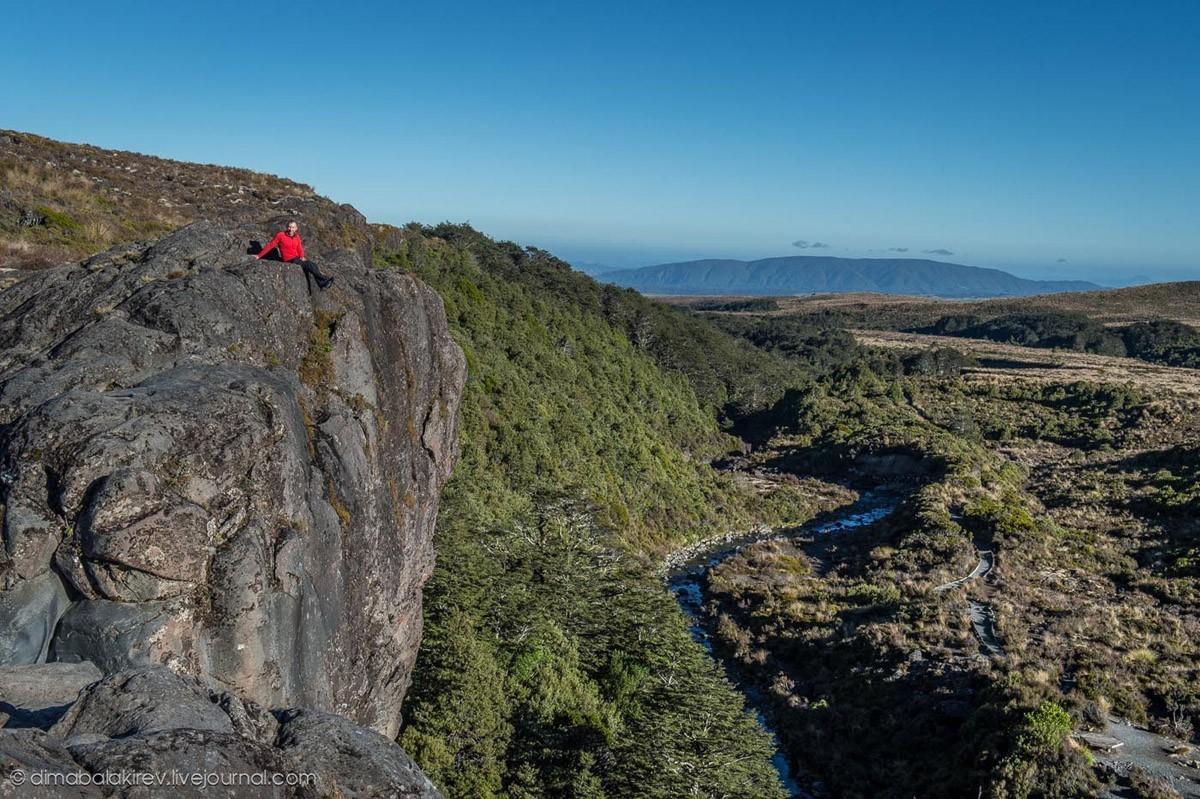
(802, 244)
(938, 251)
(1063, 261)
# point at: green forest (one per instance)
(554, 663)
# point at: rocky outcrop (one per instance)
(205, 466)
(150, 721)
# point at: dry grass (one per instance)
(1009, 361)
(1178, 302)
(50, 182)
(62, 201)
(21, 253)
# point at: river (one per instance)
(686, 578)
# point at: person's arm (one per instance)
(270, 246)
(300, 244)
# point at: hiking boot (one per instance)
(326, 283)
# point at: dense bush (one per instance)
(817, 349)
(1172, 343)
(553, 664)
(952, 324)
(556, 666)
(752, 304)
(1047, 329)
(723, 372)
(939, 362)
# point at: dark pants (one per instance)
(311, 270)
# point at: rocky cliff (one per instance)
(203, 465)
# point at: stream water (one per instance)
(686, 579)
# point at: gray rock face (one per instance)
(138, 701)
(37, 695)
(348, 760)
(203, 465)
(28, 612)
(148, 720)
(29, 750)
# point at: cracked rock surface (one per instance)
(206, 466)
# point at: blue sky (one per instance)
(1053, 139)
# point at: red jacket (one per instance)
(290, 247)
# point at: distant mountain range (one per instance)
(805, 274)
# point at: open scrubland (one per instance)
(1066, 482)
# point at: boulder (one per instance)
(28, 612)
(349, 760)
(151, 722)
(37, 695)
(140, 701)
(24, 751)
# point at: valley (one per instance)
(1058, 473)
(725, 547)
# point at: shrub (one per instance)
(1046, 728)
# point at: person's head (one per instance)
(292, 228)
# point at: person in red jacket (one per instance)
(291, 250)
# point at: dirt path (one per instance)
(1122, 747)
(984, 626)
(982, 621)
(987, 561)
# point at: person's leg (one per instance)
(322, 279)
(313, 271)
(308, 280)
